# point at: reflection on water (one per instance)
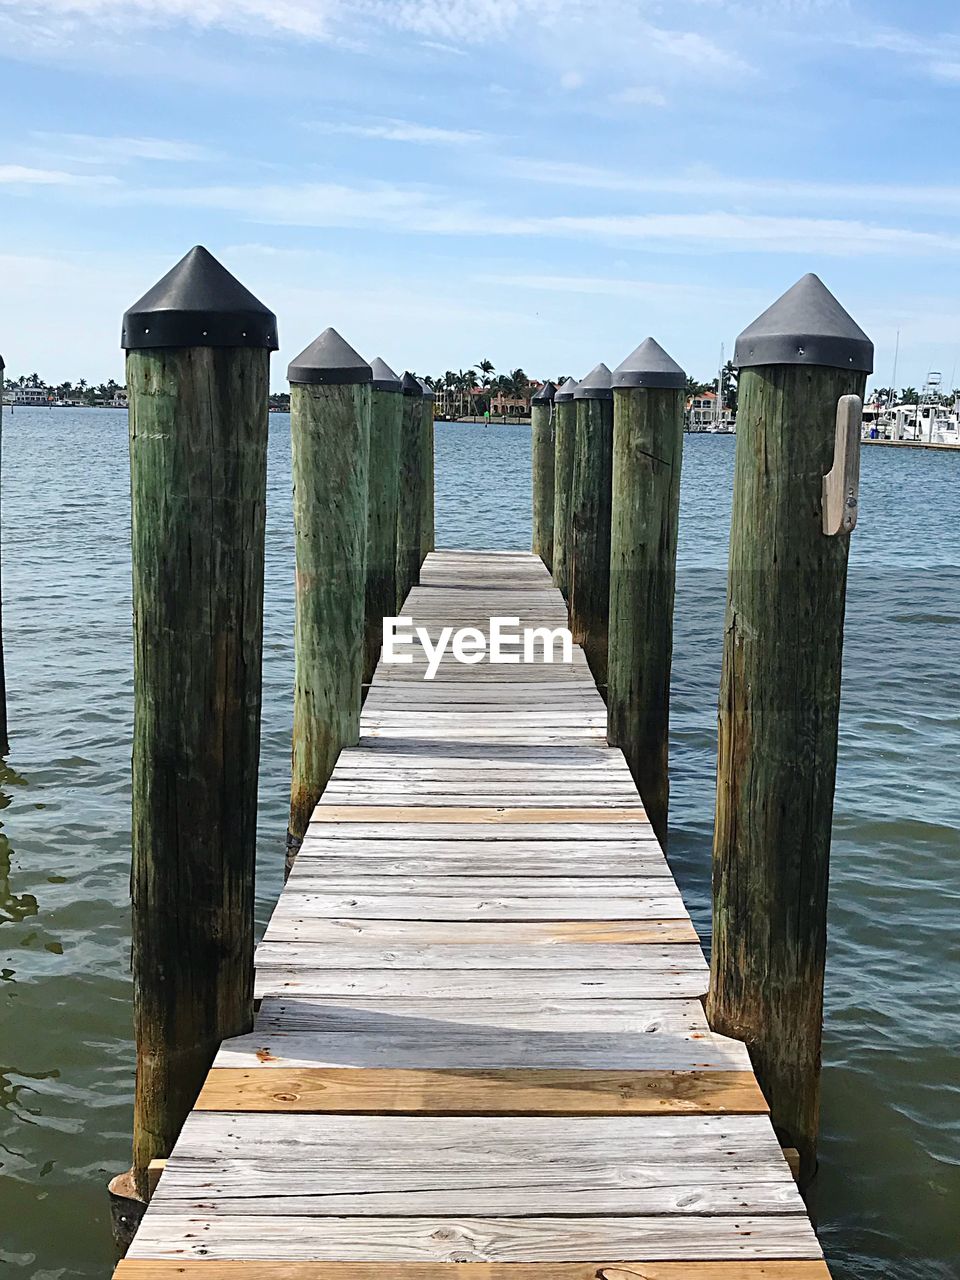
(890, 1180)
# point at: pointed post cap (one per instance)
(597, 385)
(546, 393)
(426, 389)
(198, 303)
(329, 361)
(384, 379)
(649, 366)
(410, 386)
(565, 392)
(805, 326)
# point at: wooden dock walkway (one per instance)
(480, 1052)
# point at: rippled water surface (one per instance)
(889, 1189)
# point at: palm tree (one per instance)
(728, 399)
(449, 386)
(519, 385)
(909, 395)
(466, 381)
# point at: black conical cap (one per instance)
(805, 326)
(426, 389)
(329, 361)
(384, 379)
(198, 303)
(649, 366)
(597, 385)
(565, 392)
(546, 393)
(410, 386)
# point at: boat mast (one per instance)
(718, 407)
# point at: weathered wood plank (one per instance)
(437, 1239)
(533, 934)
(359, 1013)
(480, 1092)
(454, 829)
(632, 814)
(341, 1189)
(292, 941)
(477, 984)
(437, 1046)
(299, 903)
(464, 858)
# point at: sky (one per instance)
(540, 183)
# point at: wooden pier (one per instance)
(480, 1051)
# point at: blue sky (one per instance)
(539, 182)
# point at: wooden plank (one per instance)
(435, 798)
(212, 1269)
(371, 813)
(425, 1045)
(359, 1013)
(437, 1239)
(483, 984)
(580, 832)
(340, 1189)
(491, 1092)
(495, 859)
(625, 889)
(292, 941)
(534, 934)
(300, 901)
(390, 1139)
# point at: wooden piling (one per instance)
(4, 736)
(382, 488)
(330, 424)
(590, 502)
(564, 443)
(411, 485)
(648, 391)
(543, 461)
(779, 701)
(198, 349)
(427, 533)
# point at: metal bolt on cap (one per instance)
(805, 326)
(649, 366)
(410, 386)
(546, 394)
(565, 392)
(384, 379)
(198, 303)
(329, 361)
(596, 385)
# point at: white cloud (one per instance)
(405, 131)
(937, 57)
(418, 210)
(305, 18)
(709, 184)
(18, 175)
(93, 149)
(571, 80)
(640, 95)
